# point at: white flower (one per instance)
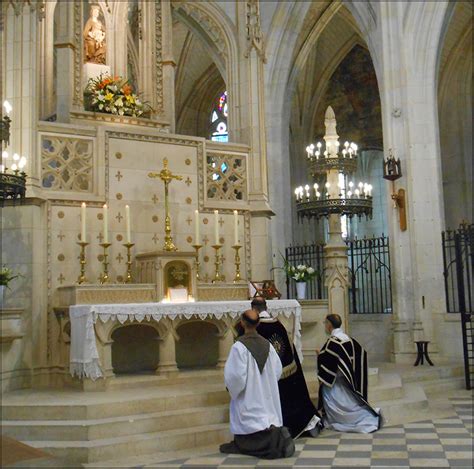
(310, 270)
(301, 268)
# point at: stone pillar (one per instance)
(336, 264)
(226, 340)
(409, 106)
(252, 132)
(169, 65)
(20, 81)
(167, 345)
(65, 55)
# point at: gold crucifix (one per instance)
(166, 176)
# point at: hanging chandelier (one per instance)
(329, 167)
(13, 178)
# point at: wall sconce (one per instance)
(392, 171)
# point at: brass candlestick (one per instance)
(129, 246)
(236, 247)
(82, 259)
(197, 264)
(217, 263)
(104, 278)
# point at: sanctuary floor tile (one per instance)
(434, 443)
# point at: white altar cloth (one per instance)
(84, 356)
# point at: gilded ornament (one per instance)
(100, 216)
(118, 155)
(61, 257)
(189, 200)
(119, 237)
(188, 162)
(60, 214)
(119, 196)
(154, 218)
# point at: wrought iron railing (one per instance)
(370, 289)
(313, 255)
(458, 259)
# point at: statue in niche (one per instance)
(94, 37)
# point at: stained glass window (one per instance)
(218, 126)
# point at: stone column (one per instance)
(336, 264)
(167, 345)
(409, 106)
(169, 65)
(65, 46)
(226, 340)
(252, 132)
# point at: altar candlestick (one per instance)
(196, 227)
(216, 226)
(236, 227)
(106, 224)
(83, 222)
(127, 223)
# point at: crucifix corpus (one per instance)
(167, 176)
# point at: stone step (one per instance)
(70, 405)
(185, 378)
(412, 406)
(411, 374)
(135, 445)
(444, 385)
(92, 429)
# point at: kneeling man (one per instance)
(342, 373)
(251, 375)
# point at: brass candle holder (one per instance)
(82, 259)
(217, 263)
(197, 264)
(237, 277)
(128, 277)
(104, 278)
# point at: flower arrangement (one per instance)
(6, 276)
(300, 273)
(114, 95)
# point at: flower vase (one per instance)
(300, 290)
(2, 295)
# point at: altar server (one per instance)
(251, 375)
(342, 372)
(299, 413)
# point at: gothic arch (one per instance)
(211, 24)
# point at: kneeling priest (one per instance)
(342, 373)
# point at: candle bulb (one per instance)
(196, 227)
(106, 224)
(216, 227)
(83, 222)
(236, 228)
(127, 223)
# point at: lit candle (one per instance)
(216, 227)
(106, 224)
(236, 228)
(196, 227)
(8, 107)
(127, 223)
(83, 222)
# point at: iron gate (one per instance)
(458, 259)
(370, 289)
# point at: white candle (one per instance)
(83, 222)
(216, 226)
(106, 225)
(127, 223)
(236, 228)
(196, 227)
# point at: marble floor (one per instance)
(440, 442)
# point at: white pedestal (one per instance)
(91, 70)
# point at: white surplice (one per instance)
(255, 399)
(344, 412)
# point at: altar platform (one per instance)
(92, 329)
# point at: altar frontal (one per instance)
(92, 326)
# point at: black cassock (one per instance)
(296, 405)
